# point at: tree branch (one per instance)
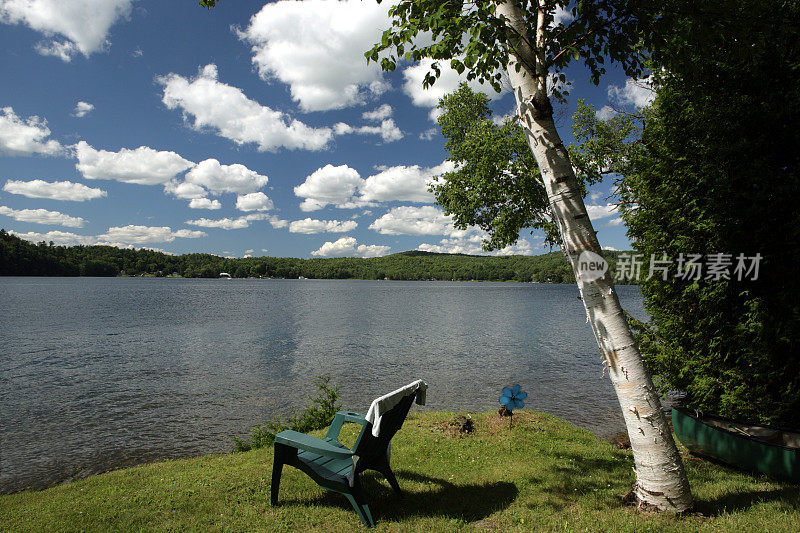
(570, 45)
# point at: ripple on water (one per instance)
(105, 373)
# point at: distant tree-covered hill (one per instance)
(22, 258)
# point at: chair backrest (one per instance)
(371, 447)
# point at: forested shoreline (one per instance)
(22, 258)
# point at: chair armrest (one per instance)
(308, 443)
(350, 416)
(338, 421)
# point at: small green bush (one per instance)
(317, 414)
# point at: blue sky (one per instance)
(251, 129)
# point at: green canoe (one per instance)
(770, 450)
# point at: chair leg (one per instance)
(277, 467)
(356, 499)
(392, 481)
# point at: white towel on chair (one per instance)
(383, 404)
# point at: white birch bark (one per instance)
(660, 477)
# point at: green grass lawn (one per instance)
(543, 474)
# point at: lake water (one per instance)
(99, 373)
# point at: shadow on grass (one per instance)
(789, 495)
(573, 476)
(439, 498)
(582, 475)
(698, 466)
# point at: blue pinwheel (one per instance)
(511, 399)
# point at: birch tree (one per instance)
(532, 41)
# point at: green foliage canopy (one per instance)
(605, 147)
(496, 184)
(471, 38)
(718, 170)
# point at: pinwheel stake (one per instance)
(511, 399)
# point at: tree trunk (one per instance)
(660, 478)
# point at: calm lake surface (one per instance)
(99, 373)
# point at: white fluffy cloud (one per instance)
(348, 246)
(255, 201)
(63, 50)
(387, 129)
(402, 183)
(82, 109)
(597, 212)
(26, 136)
(428, 134)
(210, 176)
(132, 234)
(56, 190)
(309, 225)
(635, 92)
(329, 185)
(235, 223)
(406, 220)
(562, 16)
(219, 178)
(277, 223)
(187, 191)
(447, 82)
(372, 250)
(122, 237)
(63, 238)
(317, 48)
(379, 113)
(472, 245)
(42, 216)
(342, 187)
(223, 223)
(234, 116)
(144, 166)
(606, 112)
(204, 203)
(84, 23)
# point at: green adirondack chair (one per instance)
(336, 467)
